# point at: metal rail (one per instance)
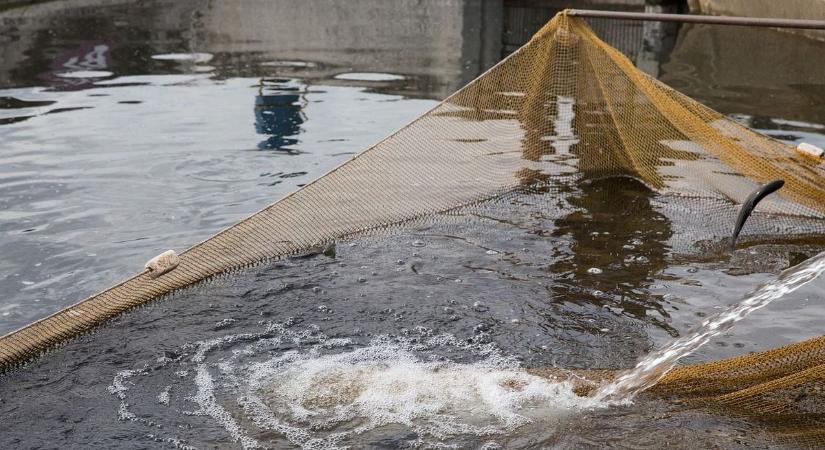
(692, 18)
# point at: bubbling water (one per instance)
(421, 390)
(385, 383)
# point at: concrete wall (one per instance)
(786, 9)
(442, 43)
(436, 38)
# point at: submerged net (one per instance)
(783, 388)
(566, 106)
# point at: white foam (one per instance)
(118, 388)
(205, 398)
(163, 397)
(323, 393)
(387, 384)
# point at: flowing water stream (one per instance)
(654, 366)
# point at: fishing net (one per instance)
(783, 389)
(566, 106)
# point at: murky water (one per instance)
(427, 336)
(130, 128)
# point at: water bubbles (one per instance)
(594, 270)
(361, 279)
(224, 323)
(290, 321)
(324, 393)
(316, 290)
(400, 262)
(480, 307)
(163, 396)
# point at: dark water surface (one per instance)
(130, 128)
(417, 338)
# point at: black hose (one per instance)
(750, 203)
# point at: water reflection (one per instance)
(617, 243)
(748, 70)
(81, 67)
(278, 114)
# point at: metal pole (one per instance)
(692, 18)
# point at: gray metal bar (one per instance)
(692, 18)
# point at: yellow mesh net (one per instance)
(783, 389)
(565, 105)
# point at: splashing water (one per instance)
(318, 393)
(654, 366)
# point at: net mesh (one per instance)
(783, 389)
(566, 105)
